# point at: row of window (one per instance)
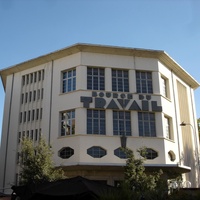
(33, 134)
(30, 115)
(96, 123)
(120, 80)
(32, 96)
(99, 152)
(33, 77)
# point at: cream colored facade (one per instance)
(36, 100)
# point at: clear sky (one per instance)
(31, 28)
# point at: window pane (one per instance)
(69, 81)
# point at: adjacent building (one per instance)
(88, 101)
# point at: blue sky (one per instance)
(30, 28)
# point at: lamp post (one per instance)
(196, 145)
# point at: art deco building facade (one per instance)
(89, 100)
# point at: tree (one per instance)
(37, 165)
(142, 184)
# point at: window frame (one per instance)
(68, 80)
(67, 124)
(96, 122)
(144, 82)
(121, 121)
(120, 82)
(96, 152)
(95, 78)
(147, 122)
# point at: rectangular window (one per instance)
(19, 137)
(26, 97)
(38, 94)
(36, 134)
(96, 122)
(43, 74)
(25, 116)
(167, 125)
(120, 80)
(39, 76)
(23, 80)
(35, 77)
(33, 115)
(95, 79)
(121, 123)
(146, 124)
(30, 96)
(31, 78)
(42, 93)
(37, 114)
(27, 79)
(144, 82)
(31, 134)
(69, 81)
(34, 95)
(29, 115)
(68, 123)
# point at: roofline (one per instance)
(92, 48)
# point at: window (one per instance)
(23, 80)
(96, 122)
(38, 94)
(96, 152)
(69, 81)
(29, 115)
(31, 78)
(121, 123)
(167, 127)
(34, 95)
(30, 96)
(120, 153)
(95, 79)
(33, 115)
(68, 123)
(37, 114)
(36, 134)
(150, 154)
(146, 124)
(144, 82)
(164, 87)
(22, 98)
(66, 152)
(24, 116)
(120, 81)
(26, 97)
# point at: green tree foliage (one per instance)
(36, 163)
(144, 185)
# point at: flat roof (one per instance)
(162, 56)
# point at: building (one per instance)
(89, 100)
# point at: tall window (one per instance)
(146, 124)
(96, 122)
(167, 127)
(164, 87)
(69, 81)
(68, 123)
(120, 81)
(95, 79)
(121, 123)
(144, 82)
